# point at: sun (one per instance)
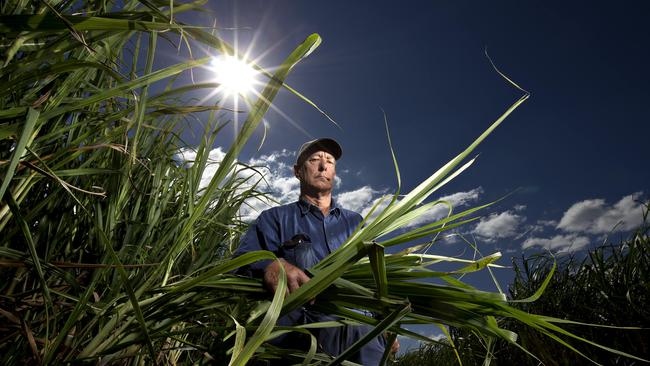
(240, 82)
(234, 76)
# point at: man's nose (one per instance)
(321, 166)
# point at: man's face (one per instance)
(317, 172)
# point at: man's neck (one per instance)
(321, 200)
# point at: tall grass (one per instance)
(607, 286)
(100, 220)
(112, 250)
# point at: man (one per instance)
(302, 234)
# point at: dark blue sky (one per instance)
(581, 136)
(576, 148)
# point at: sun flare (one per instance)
(235, 76)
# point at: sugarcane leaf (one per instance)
(378, 265)
(376, 331)
(266, 326)
(19, 149)
(541, 288)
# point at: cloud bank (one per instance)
(595, 216)
(559, 243)
(586, 221)
(275, 175)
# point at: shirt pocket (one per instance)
(299, 251)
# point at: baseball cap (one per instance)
(325, 144)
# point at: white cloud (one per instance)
(357, 200)
(429, 331)
(585, 219)
(547, 222)
(539, 226)
(385, 200)
(559, 243)
(272, 173)
(497, 226)
(214, 158)
(463, 198)
(337, 181)
(276, 173)
(452, 238)
(437, 212)
(440, 337)
(440, 211)
(596, 217)
(519, 208)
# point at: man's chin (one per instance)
(321, 186)
(324, 187)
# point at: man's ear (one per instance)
(296, 171)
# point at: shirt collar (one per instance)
(306, 206)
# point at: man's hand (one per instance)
(295, 276)
(394, 348)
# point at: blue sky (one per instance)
(576, 150)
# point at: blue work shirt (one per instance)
(314, 235)
(303, 236)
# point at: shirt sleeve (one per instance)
(261, 235)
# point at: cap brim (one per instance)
(324, 144)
